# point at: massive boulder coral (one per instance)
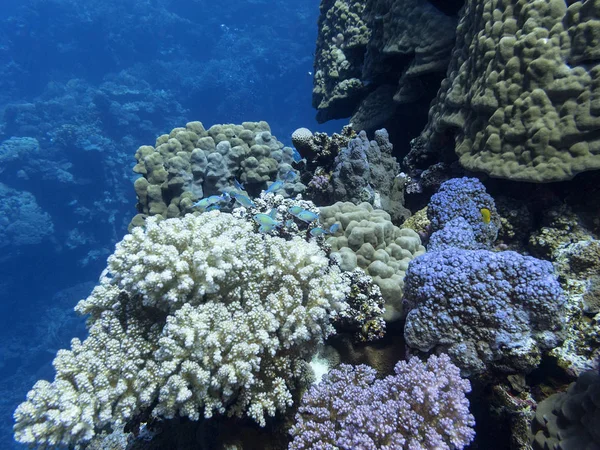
(368, 239)
(486, 310)
(192, 162)
(422, 406)
(569, 420)
(193, 316)
(521, 88)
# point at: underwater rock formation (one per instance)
(376, 57)
(578, 265)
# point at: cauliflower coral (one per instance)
(422, 407)
(194, 315)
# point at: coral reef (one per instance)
(560, 227)
(194, 315)
(519, 96)
(18, 148)
(516, 221)
(192, 163)
(368, 239)
(365, 308)
(485, 309)
(578, 265)
(457, 233)
(320, 148)
(22, 221)
(422, 406)
(365, 171)
(374, 59)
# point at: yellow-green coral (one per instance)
(192, 162)
(522, 88)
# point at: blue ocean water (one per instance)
(82, 85)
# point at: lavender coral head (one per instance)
(485, 309)
(423, 406)
(466, 198)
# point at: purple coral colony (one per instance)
(427, 278)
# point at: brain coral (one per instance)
(195, 315)
(521, 89)
(484, 309)
(421, 407)
(190, 163)
(368, 239)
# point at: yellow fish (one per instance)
(486, 215)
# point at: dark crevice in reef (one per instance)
(448, 7)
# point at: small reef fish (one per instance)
(307, 216)
(486, 215)
(318, 231)
(290, 176)
(266, 222)
(212, 200)
(239, 186)
(295, 210)
(273, 213)
(274, 186)
(242, 200)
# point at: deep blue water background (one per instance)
(91, 81)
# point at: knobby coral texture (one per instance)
(569, 420)
(368, 239)
(465, 198)
(521, 88)
(485, 309)
(199, 314)
(422, 406)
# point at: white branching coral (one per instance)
(195, 316)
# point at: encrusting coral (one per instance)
(485, 309)
(194, 315)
